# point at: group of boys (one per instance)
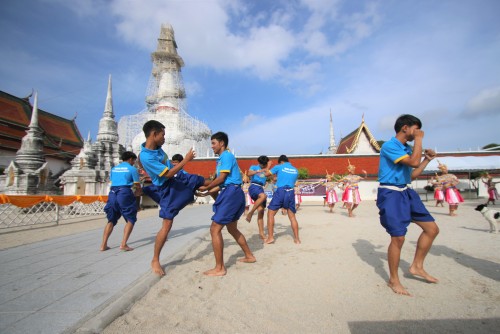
(173, 189)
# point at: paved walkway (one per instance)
(66, 284)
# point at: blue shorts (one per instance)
(283, 197)
(397, 209)
(174, 194)
(254, 191)
(230, 205)
(192, 181)
(121, 202)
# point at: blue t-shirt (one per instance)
(286, 173)
(227, 164)
(123, 174)
(390, 170)
(260, 177)
(156, 164)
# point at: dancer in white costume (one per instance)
(331, 194)
(451, 193)
(351, 193)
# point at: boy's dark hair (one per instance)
(263, 160)
(152, 126)
(282, 158)
(406, 119)
(221, 136)
(127, 155)
(177, 157)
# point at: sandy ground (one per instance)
(334, 282)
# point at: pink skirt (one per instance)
(493, 195)
(453, 196)
(331, 197)
(298, 199)
(248, 199)
(438, 195)
(351, 195)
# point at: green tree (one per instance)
(496, 147)
(303, 173)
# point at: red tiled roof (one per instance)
(62, 139)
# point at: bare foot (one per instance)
(215, 272)
(126, 248)
(157, 269)
(399, 289)
(248, 259)
(297, 241)
(104, 248)
(422, 273)
(248, 218)
(269, 241)
(262, 236)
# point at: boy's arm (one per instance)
(416, 155)
(174, 170)
(428, 156)
(214, 183)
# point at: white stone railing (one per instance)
(47, 211)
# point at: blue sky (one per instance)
(269, 72)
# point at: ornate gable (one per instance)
(359, 141)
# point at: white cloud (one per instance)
(487, 102)
(252, 119)
(210, 34)
(299, 132)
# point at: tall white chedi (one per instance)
(28, 173)
(90, 169)
(166, 103)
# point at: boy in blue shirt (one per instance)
(283, 197)
(258, 180)
(171, 192)
(229, 205)
(121, 199)
(399, 205)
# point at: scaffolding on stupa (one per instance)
(166, 103)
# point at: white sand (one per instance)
(334, 282)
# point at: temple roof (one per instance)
(350, 143)
(61, 137)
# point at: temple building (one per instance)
(359, 141)
(36, 147)
(166, 103)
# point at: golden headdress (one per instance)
(441, 166)
(349, 166)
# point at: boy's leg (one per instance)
(161, 238)
(107, 232)
(256, 205)
(126, 234)
(295, 226)
(218, 248)
(430, 230)
(393, 256)
(270, 226)
(232, 228)
(260, 222)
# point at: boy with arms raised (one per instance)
(170, 192)
(258, 181)
(399, 205)
(229, 205)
